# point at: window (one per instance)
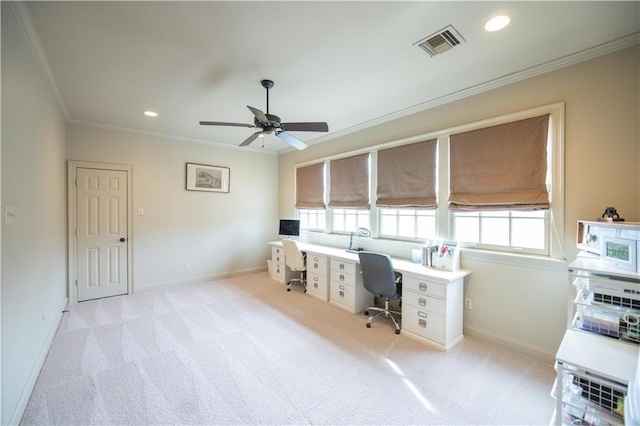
(520, 230)
(405, 223)
(348, 220)
(499, 181)
(349, 193)
(505, 193)
(312, 220)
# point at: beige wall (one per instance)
(34, 245)
(218, 234)
(523, 305)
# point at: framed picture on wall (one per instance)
(201, 177)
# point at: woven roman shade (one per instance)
(502, 167)
(349, 182)
(310, 187)
(407, 176)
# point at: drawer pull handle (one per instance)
(341, 287)
(315, 279)
(423, 287)
(315, 285)
(315, 259)
(277, 270)
(422, 301)
(315, 266)
(341, 277)
(342, 294)
(422, 323)
(422, 314)
(342, 266)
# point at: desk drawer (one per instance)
(343, 278)
(424, 302)
(279, 271)
(422, 286)
(277, 254)
(340, 266)
(426, 324)
(317, 264)
(317, 285)
(343, 294)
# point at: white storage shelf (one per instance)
(593, 374)
(599, 308)
(598, 356)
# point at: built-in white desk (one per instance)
(432, 299)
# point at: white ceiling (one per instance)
(351, 64)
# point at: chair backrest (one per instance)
(378, 275)
(294, 258)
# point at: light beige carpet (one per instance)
(245, 351)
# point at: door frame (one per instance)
(72, 267)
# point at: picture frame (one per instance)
(203, 177)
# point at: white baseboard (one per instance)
(16, 416)
(196, 280)
(541, 354)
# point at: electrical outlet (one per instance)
(468, 303)
(186, 265)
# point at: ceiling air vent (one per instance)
(440, 41)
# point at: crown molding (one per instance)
(166, 136)
(25, 22)
(565, 61)
(33, 40)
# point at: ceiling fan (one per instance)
(270, 123)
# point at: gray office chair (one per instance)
(380, 279)
(296, 261)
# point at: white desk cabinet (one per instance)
(317, 279)
(432, 309)
(432, 299)
(346, 289)
(279, 269)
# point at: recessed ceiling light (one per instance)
(150, 114)
(497, 23)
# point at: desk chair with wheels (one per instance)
(379, 278)
(296, 261)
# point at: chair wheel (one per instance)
(288, 289)
(397, 331)
(368, 325)
(366, 312)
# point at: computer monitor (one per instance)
(289, 227)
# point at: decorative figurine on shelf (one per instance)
(610, 215)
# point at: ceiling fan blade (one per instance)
(251, 138)
(294, 142)
(259, 115)
(306, 127)
(219, 123)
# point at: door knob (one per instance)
(123, 239)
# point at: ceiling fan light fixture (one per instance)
(497, 23)
(151, 114)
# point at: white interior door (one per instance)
(101, 212)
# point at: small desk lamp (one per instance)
(361, 232)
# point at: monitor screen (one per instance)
(289, 227)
